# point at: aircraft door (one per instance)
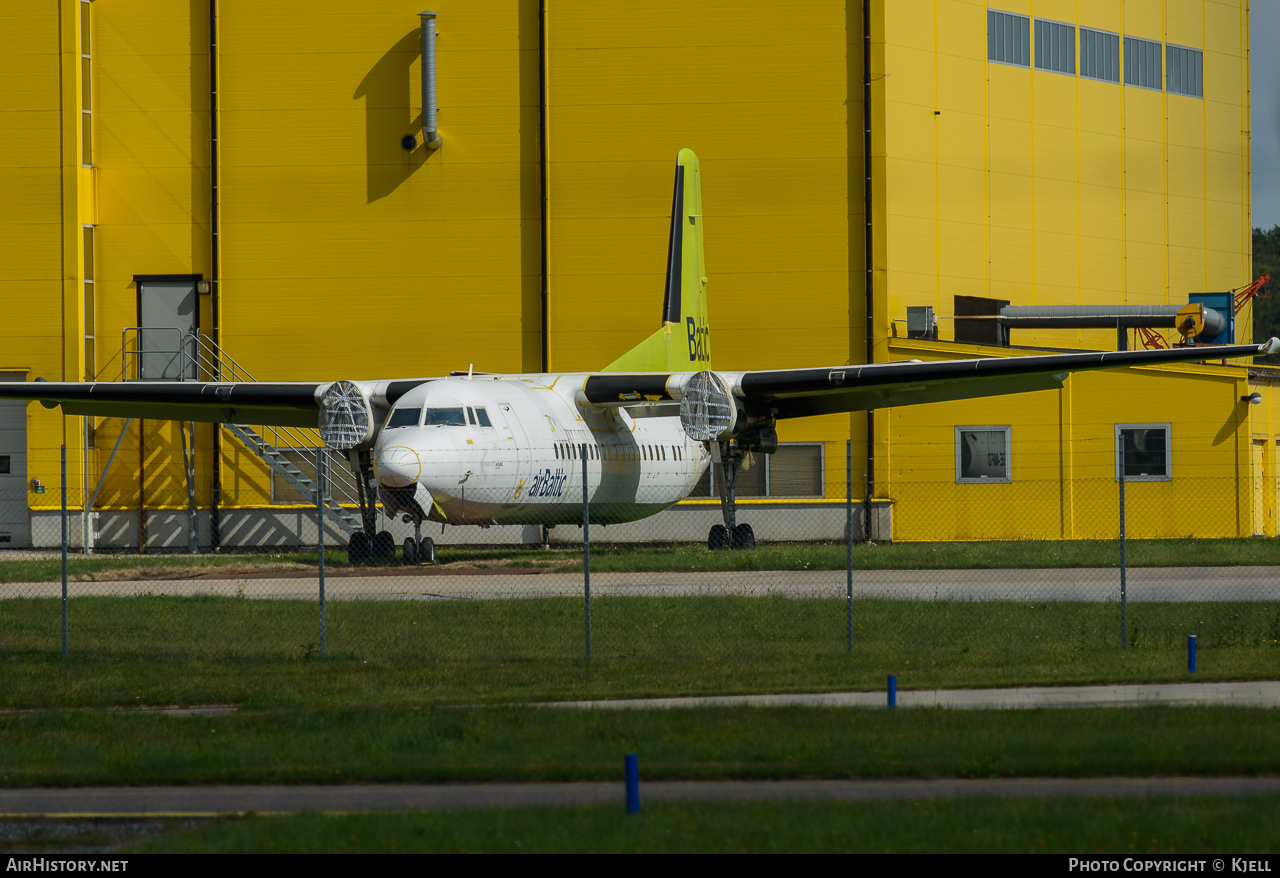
(168, 309)
(520, 457)
(15, 520)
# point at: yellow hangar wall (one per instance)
(771, 100)
(340, 255)
(1044, 188)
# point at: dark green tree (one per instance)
(1266, 311)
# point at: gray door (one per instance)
(15, 520)
(167, 310)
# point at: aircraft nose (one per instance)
(398, 466)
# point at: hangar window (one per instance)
(1142, 63)
(445, 418)
(1008, 38)
(1055, 46)
(1184, 71)
(983, 455)
(794, 470)
(340, 483)
(404, 418)
(1099, 55)
(1144, 452)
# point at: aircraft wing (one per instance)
(799, 393)
(292, 404)
(282, 404)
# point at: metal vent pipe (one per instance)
(1105, 316)
(430, 136)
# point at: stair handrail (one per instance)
(221, 366)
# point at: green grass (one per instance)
(337, 744)
(1118, 826)
(184, 650)
(1030, 554)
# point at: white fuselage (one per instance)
(507, 449)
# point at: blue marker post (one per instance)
(893, 690)
(631, 767)
(1191, 654)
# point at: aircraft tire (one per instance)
(744, 537)
(383, 546)
(410, 552)
(718, 538)
(358, 548)
(427, 550)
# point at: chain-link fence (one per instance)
(1044, 569)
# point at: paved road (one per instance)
(208, 801)
(1257, 693)
(1055, 584)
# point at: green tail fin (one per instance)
(683, 344)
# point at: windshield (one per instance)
(404, 418)
(446, 417)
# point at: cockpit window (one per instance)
(404, 418)
(446, 417)
(482, 418)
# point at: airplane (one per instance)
(495, 449)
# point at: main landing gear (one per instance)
(729, 535)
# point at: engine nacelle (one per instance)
(346, 416)
(707, 410)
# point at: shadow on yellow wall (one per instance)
(386, 90)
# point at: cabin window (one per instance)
(446, 418)
(404, 418)
(482, 418)
(983, 455)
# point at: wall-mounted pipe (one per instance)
(430, 136)
(1108, 316)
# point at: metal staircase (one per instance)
(296, 478)
(196, 357)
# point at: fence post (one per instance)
(848, 543)
(1124, 607)
(64, 551)
(586, 548)
(320, 540)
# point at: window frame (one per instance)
(304, 457)
(1080, 32)
(1124, 63)
(1007, 429)
(990, 44)
(1168, 450)
(1199, 53)
(1035, 47)
(713, 491)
